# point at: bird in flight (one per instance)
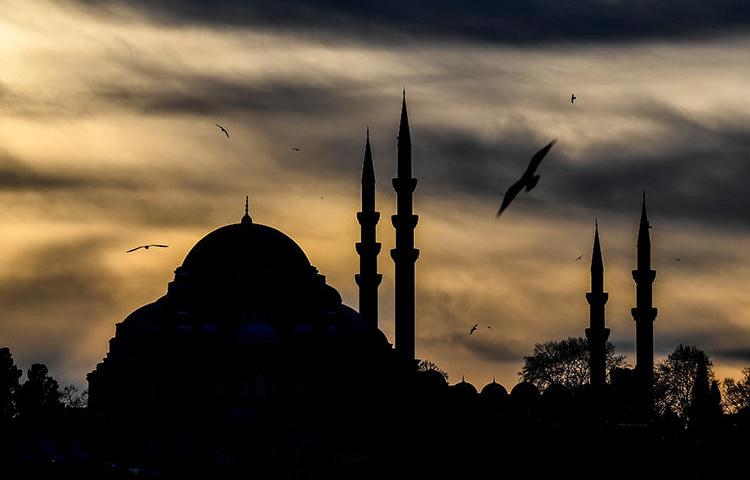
(677, 258)
(573, 98)
(473, 329)
(528, 180)
(579, 257)
(146, 247)
(296, 149)
(223, 130)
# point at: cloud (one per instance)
(532, 22)
(52, 299)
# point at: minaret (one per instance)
(644, 313)
(404, 255)
(597, 334)
(368, 248)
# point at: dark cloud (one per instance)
(16, 175)
(204, 95)
(484, 347)
(166, 197)
(505, 21)
(695, 171)
(737, 354)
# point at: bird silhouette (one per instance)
(296, 149)
(473, 329)
(677, 258)
(146, 247)
(579, 257)
(223, 130)
(573, 98)
(528, 180)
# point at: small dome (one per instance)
(494, 392)
(525, 392)
(431, 379)
(463, 389)
(556, 392)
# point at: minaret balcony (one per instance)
(405, 221)
(368, 218)
(404, 185)
(368, 248)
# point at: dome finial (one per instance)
(246, 218)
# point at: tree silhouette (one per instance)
(71, 397)
(40, 393)
(737, 393)
(675, 379)
(428, 366)
(565, 362)
(9, 376)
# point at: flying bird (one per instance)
(223, 130)
(473, 329)
(146, 247)
(579, 257)
(677, 258)
(572, 98)
(296, 149)
(528, 180)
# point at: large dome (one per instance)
(245, 249)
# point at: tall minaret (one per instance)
(368, 248)
(597, 334)
(644, 313)
(404, 255)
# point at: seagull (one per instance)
(223, 130)
(296, 149)
(572, 98)
(146, 247)
(579, 257)
(473, 329)
(529, 178)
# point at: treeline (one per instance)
(684, 381)
(38, 397)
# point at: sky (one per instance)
(107, 141)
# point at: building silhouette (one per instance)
(250, 366)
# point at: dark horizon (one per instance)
(74, 178)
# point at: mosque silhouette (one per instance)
(252, 363)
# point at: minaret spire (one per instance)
(405, 255)
(368, 279)
(246, 217)
(644, 313)
(597, 334)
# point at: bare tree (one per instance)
(71, 397)
(737, 393)
(565, 362)
(674, 379)
(428, 366)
